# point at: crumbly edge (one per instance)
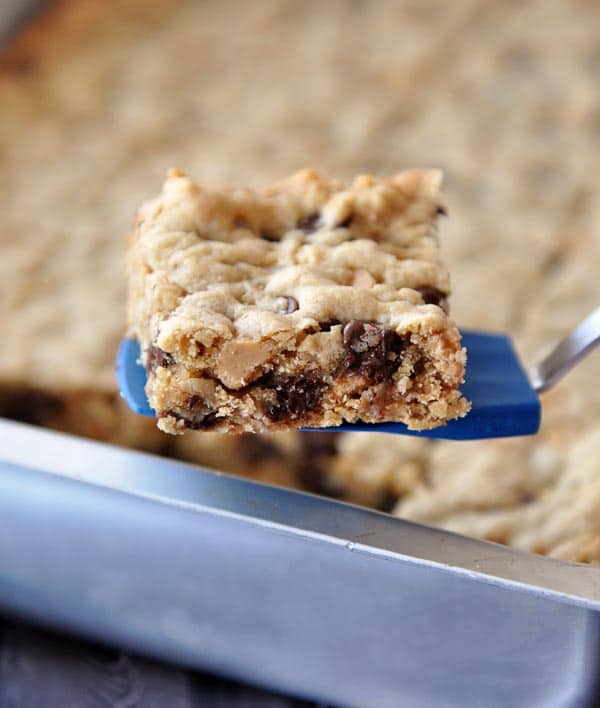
(412, 379)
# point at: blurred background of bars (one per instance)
(99, 98)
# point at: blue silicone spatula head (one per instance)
(503, 402)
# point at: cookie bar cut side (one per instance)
(305, 303)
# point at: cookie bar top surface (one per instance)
(224, 282)
(251, 263)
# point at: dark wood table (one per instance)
(42, 669)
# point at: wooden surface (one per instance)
(41, 669)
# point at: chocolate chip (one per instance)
(289, 304)
(309, 223)
(433, 296)
(441, 210)
(326, 325)
(352, 333)
(372, 350)
(419, 366)
(209, 422)
(198, 414)
(269, 236)
(199, 348)
(195, 403)
(205, 422)
(157, 357)
(346, 222)
(294, 396)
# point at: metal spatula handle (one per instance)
(572, 349)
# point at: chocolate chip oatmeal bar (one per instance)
(307, 303)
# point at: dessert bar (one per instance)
(306, 303)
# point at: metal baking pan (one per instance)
(282, 589)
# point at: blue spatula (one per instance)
(504, 398)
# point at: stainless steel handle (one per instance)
(571, 350)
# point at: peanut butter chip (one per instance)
(238, 362)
